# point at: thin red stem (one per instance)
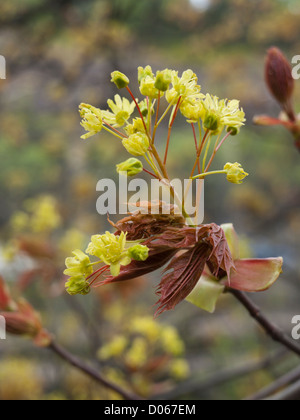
(114, 129)
(199, 153)
(216, 150)
(150, 173)
(138, 108)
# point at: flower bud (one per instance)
(119, 79)
(211, 122)
(136, 144)
(147, 88)
(278, 73)
(235, 173)
(131, 166)
(138, 252)
(234, 131)
(26, 321)
(163, 80)
(77, 286)
(144, 72)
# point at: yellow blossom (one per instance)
(113, 349)
(179, 369)
(235, 173)
(78, 286)
(131, 166)
(185, 87)
(137, 355)
(111, 250)
(79, 265)
(171, 341)
(137, 144)
(119, 79)
(218, 114)
(137, 126)
(91, 120)
(121, 109)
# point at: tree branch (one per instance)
(79, 364)
(271, 329)
(277, 385)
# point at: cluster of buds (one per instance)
(280, 81)
(21, 318)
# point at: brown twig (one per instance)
(271, 329)
(277, 385)
(88, 370)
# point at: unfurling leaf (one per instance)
(206, 293)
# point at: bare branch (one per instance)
(79, 364)
(271, 329)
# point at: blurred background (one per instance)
(60, 53)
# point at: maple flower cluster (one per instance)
(182, 93)
(200, 261)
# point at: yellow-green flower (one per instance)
(185, 87)
(121, 111)
(235, 173)
(233, 116)
(78, 286)
(179, 369)
(79, 265)
(147, 88)
(119, 79)
(192, 111)
(218, 114)
(137, 126)
(131, 166)
(137, 144)
(111, 250)
(91, 120)
(138, 252)
(163, 80)
(113, 349)
(144, 72)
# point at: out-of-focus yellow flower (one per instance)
(72, 239)
(171, 341)
(113, 349)
(179, 369)
(111, 250)
(121, 109)
(45, 216)
(146, 326)
(137, 355)
(235, 173)
(91, 120)
(19, 221)
(137, 144)
(19, 380)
